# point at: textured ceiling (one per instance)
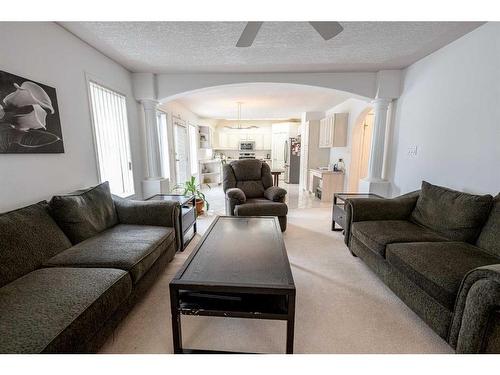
(167, 47)
(261, 101)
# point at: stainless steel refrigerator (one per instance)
(292, 161)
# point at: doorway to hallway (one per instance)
(361, 144)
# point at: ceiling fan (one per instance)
(327, 30)
(239, 127)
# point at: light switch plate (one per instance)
(412, 151)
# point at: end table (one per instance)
(338, 211)
(187, 215)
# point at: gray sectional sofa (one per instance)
(439, 251)
(71, 269)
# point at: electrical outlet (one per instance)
(412, 151)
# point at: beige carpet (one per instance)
(342, 307)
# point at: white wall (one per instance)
(355, 108)
(450, 110)
(47, 53)
(364, 84)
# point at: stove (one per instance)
(247, 155)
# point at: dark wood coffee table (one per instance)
(239, 269)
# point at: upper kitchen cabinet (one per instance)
(333, 131)
(290, 128)
(229, 139)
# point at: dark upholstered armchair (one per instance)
(249, 189)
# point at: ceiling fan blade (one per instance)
(327, 29)
(249, 33)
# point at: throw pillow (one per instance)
(86, 213)
(453, 214)
(28, 237)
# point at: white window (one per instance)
(109, 118)
(163, 143)
(193, 149)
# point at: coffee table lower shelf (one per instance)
(247, 305)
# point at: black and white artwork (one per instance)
(29, 117)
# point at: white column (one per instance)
(154, 183)
(376, 162)
(152, 142)
(374, 183)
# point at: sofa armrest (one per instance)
(236, 194)
(275, 194)
(475, 323)
(158, 213)
(371, 209)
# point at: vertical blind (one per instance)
(163, 143)
(181, 152)
(109, 118)
(193, 149)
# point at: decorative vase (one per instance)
(199, 206)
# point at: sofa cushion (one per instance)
(252, 189)
(261, 207)
(59, 309)
(84, 214)
(267, 177)
(489, 239)
(453, 214)
(377, 234)
(438, 267)
(247, 169)
(28, 237)
(133, 248)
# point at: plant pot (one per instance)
(199, 206)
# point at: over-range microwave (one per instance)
(247, 146)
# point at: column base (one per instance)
(155, 186)
(374, 186)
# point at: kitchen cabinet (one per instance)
(230, 138)
(311, 155)
(333, 131)
(329, 183)
(267, 141)
(233, 140)
(258, 138)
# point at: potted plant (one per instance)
(190, 187)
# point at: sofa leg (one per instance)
(282, 220)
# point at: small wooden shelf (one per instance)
(238, 305)
(210, 169)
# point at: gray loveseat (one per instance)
(439, 251)
(248, 185)
(72, 269)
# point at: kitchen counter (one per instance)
(325, 171)
(330, 182)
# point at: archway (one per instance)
(361, 144)
(314, 93)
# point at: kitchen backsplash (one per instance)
(236, 154)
